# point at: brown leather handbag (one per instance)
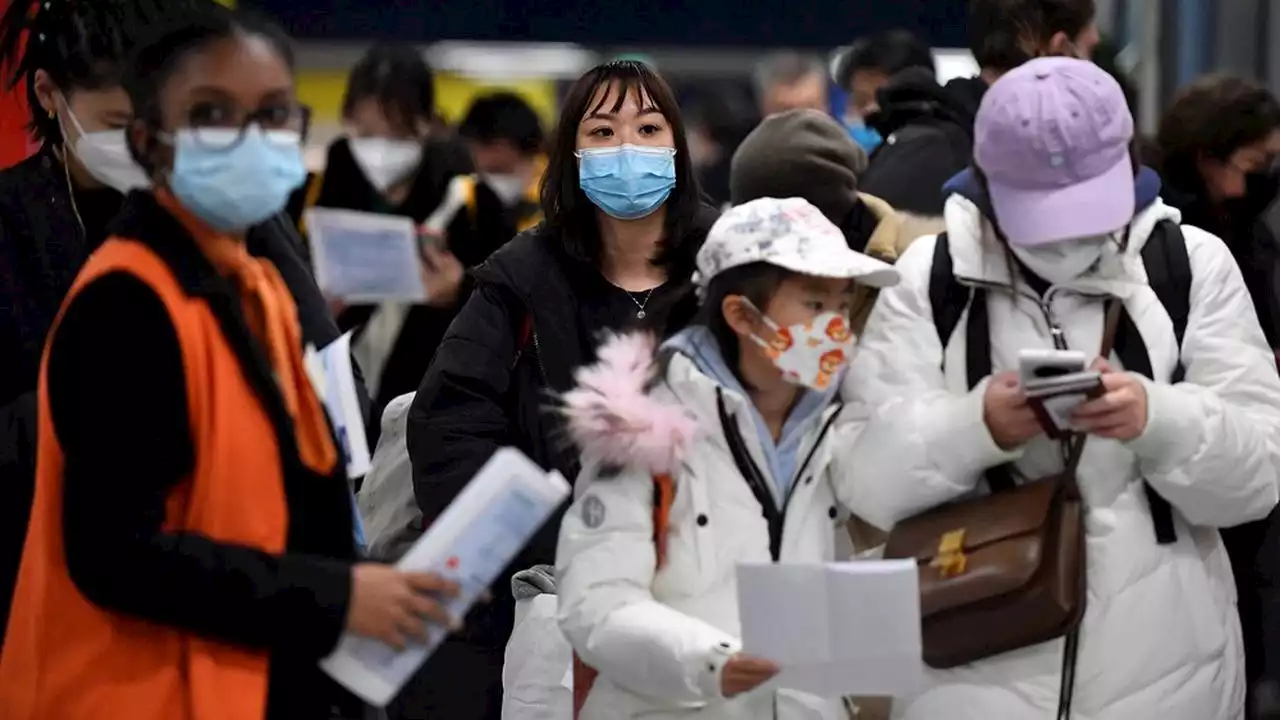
(1006, 570)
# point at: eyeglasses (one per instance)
(214, 126)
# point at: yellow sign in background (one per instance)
(323, 91)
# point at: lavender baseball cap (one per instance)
(1052, 137)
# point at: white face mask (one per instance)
(813, 353)
(509, 187)
(1062, 262)
(105, 154)
(385, 162)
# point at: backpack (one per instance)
(910, 167)
(1169, 275)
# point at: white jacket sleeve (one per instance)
(1212, 443)
(905, 443)
(604, 570)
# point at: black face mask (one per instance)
(1260, 189)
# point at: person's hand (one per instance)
(441, 271)
(1009, 418)
(393, 606)
(1121, 412)
(336, 306)
(743, 673)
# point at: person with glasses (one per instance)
(56, 206)
(191, 551)
(1218, 144)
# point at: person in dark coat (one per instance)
(395, 161)
(55, 208)
(624, 221)
(1218, 143)
(928, 128)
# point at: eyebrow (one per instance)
(613, 116)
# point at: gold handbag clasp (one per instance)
(950, 560)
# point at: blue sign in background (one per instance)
(741, 23)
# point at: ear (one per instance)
(1060, 45)
(47, 92)
(738, 315)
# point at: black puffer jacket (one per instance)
(928, 133)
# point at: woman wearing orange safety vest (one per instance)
(191, 553)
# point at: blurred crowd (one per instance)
(803, 258)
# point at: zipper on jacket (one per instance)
(774, 515)
(537, 355)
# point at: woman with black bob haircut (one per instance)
(55, 207)
(624, 221)
(191, 550)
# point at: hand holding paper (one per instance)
(476, 537)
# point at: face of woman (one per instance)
(368, 119)
(1229, 179)
(229, 85)
(229, 145)
(633, 119)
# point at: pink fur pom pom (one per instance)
(612, 417)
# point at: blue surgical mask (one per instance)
(867, 137)
(233, 186)
(627, 182)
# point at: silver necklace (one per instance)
(640, 313)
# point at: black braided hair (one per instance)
(81, 44)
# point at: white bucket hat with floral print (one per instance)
(789, 233)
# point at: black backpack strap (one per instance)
(948, 300)
(1169, 274)
(947, 297)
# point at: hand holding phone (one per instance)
(1056, 383)
(1119, 411)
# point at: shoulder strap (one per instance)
(1169, 274)
(947, 297)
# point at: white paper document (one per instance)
(362, 257)
(471, 542)
(836, 629)
(332, 377)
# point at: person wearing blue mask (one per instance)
(56, 207)
(867, 67)
(191, 548)
(624, 221)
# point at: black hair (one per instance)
(503, 116)
(155, 61)
(725, 111)
(757, 282)
(568, 212)
(398, 78)
(1211, 119)
(999, 29)
(888, 52)
(81, 45)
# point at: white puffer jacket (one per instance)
(660, 639)
(1160, 637)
